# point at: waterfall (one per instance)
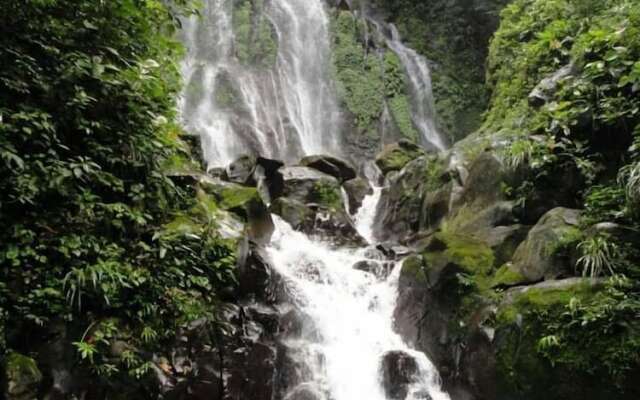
(419, 75)
(350, 319)
(257, 81)
(280, 107)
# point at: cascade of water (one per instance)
(284, 110)
(352, 315)
(419, 78)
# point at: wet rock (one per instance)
(357, 189)
(254, 274)
(332, 224)
(534, 259)
(339, 169)
(268, 178)
(251, 373)
(379, 269)
(241, 170)
(396, 156)
(399, 370)
(296, 213)
(305, 393)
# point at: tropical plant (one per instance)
(599, 254)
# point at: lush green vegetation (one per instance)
(90, 237)
(586, 120)
(368, 80)
(454, 36)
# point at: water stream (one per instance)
(351, 312)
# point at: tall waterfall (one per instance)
(282, 108)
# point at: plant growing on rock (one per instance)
(599, 255)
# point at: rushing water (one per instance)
(285, 110)
(352, 316)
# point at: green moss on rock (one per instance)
(396, 156)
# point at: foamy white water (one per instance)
(352, 316)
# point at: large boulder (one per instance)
(331, 224)
(357, 189)
(339, 169)
(415, 199)
(395, 156)
(308, 185)
(399, 371)
(535, 258)
(241, 170)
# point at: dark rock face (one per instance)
(409, 205)
(357, 189)
(339, 169)
(399, 370)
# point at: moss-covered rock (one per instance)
(395, 156)
(521, 367)
(23, 377)
(536, 258)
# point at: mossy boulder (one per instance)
(536, 258)
(245, 202)
(308, 185)
(521, 370)
(23, 377)
(396, 156)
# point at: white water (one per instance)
(282, 111)
(351, 312)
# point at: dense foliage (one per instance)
(584, 117)
(87, 91)
(454, 36)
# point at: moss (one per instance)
(327, 194)
(232, 197)
(542, 299)
(506, 277)
(396, 156)
(413, 267)
(367, 80)
(22, 370)
(473, 255)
